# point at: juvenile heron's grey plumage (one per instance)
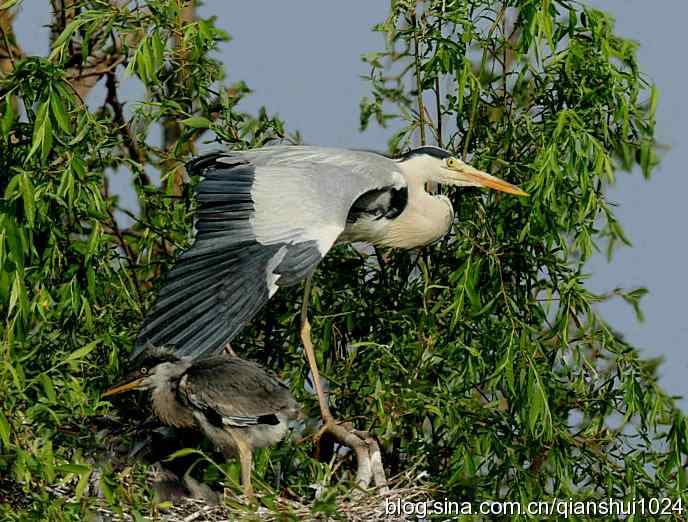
(266, 217)
(238, 404)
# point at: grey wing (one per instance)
(236, 392)
(265, 219)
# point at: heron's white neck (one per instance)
(418, 170)
(425, 219)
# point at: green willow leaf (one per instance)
(197, 122)
(58, 112)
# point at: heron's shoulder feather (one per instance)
(371, 169)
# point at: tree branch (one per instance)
(84, 74)
(64, 12)
(438, 93)
(171, 129)
(83, 79)
(10, 51)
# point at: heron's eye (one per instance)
(451, 162)
(144, 371)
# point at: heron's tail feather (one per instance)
(241, 422)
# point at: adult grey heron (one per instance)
(267, 216)
(237, 404)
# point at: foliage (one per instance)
(479, 359)
(73, 282)
(522, 390)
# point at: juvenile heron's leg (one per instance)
(246, 462)
(366, 449)
(231, 441)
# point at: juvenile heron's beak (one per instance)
(131, 385)
(477, 178)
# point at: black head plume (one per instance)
(435, 152)
(152, 355)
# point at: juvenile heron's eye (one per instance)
(144, 371)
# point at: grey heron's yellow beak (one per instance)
(471, 176)
(132, 385)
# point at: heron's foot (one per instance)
(366, 449)
(247, 492)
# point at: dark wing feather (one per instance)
(236, 392)
(221, 281)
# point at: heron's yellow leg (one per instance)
(310, 354)
(364, 446)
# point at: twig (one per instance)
(146, 224)
(438, 102)
(131, 256)
(127, 135)
(196, 515)
(76, 93)
(483, 61)
(6, 27)
(419, 83)
(438, 96)
(172, 130)
(8, 47)
(122, 241)
(98, 69)
(381, 263)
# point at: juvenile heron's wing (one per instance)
(266, 217)
(236, 392)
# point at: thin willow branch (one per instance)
(8, 61)
(419, 80)
(128, 138)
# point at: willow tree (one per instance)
(478, 360)
(75, 274)
(505, 381)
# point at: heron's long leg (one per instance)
(367, 454)
(310, 353)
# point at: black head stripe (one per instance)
(435, 152)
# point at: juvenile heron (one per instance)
(237, 404)
(267, 216)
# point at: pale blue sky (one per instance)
(303, 62)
